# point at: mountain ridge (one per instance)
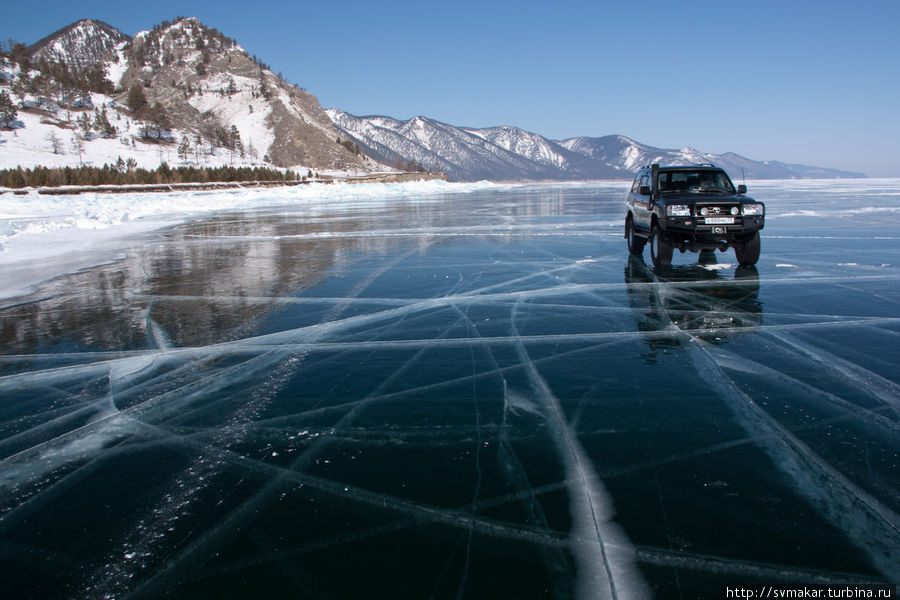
(181, 92)
(185, 84)
(507, 153)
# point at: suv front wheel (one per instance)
(748, 253)
(660, 250)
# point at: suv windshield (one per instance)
(696, 181)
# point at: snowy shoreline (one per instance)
(398, 177)
(44, 236)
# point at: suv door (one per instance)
(640, 203)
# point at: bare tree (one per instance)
(78, 146)
(55, 142)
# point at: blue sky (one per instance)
(816, 83)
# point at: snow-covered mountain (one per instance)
(618, 150)
(468, 154)
(182, 93)
(209, 83)
(80, 45)
(631, 155)
(509, 153)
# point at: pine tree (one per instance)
(159, 120)
(184, 149)
(137, 99)
(8, 111)
(21, 84)
(102, 124)
(15, 178)
(234, 138)
(84, 123)
(96, 80)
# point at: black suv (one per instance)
(691, 208)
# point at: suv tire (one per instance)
(660, 250)
(635, 243)
(748, 253)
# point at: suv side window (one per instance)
(645, 180)
(635, 187)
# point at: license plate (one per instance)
(720, 220)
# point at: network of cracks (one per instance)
(512, 418)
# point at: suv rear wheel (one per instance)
(635, 242)
(660, 250)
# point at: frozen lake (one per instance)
(458, 395)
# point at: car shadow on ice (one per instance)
(683, 302)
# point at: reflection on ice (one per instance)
(254, 403)
(695, 299)
(705, 313)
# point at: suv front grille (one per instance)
(716, 210)
(717, 214)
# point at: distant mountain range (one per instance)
(508, 153)
(204, 94)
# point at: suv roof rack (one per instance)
(714, 166)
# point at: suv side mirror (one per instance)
(645, 190)
(742, 189)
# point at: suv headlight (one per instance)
(753, 210)
(678, 210)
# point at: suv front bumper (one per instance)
(690, 233)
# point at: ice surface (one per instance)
(432, 390)
(45, 236)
